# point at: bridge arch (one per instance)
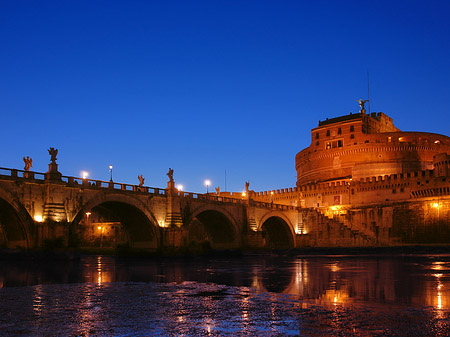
(218, 227)
(278, 231)
(130, 214)
(16, 225)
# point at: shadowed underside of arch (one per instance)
(277, 233)
(12, 227)
(139, 229)
(214, 227)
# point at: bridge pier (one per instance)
(173, 211)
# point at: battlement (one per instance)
(350, 191)
(339, 119)
(385, 180)
(278, 192)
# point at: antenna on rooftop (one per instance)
(368, 89)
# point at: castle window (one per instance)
(328, 133)
(317, 143)
(352, 136)
(334, 144)
(317, 135)
(352, 128)
(339, 131)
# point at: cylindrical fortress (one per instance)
(359, 145)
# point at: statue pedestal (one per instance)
(173, 211)
(53, 173)
(171, 185)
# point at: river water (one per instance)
(248, 295)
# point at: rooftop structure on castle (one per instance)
(364, 145)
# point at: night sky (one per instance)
(208, 87)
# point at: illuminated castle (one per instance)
(359, 145)
(362, 175)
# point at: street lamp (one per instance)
(110, 172)
(84, 174)
(179, 187)
(207, 183)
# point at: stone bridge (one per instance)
(38, 208)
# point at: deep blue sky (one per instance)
(208, 86)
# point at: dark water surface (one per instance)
(249, 295)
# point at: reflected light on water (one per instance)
(37, 300)
(437, 265)
(439, 292)
(244, 304)
(104, 275)
(335, 267)
(209, 325)
(99, 270)
(301, 276)
(256, 279)
(335, 297)
(330, 293)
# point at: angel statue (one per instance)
(53, 153)
(170, 174)
(28, 163)
(218, 190)
(247, 184)
(141, 180)
(361, 104)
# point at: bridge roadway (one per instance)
(36, 208)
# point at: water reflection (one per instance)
(252, 295)
(331, 281)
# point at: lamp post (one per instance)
(207, 183)
(110, 172)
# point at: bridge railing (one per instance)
(280, 207)
(101, 184)
(211, 197)
(14, 173)
(92, 183)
